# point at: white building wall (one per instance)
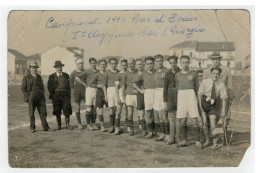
(11, 63)
(57, 53)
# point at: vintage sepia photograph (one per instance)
(166, 88)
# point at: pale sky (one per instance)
(29, 31)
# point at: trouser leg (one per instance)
(58, 118)
(31, 114)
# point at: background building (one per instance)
(200, 52)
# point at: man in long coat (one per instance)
(33, 90)
(59, 89)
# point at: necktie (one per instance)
(213, 91)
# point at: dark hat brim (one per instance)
(36, 66)
(215, 57)
(59, 65)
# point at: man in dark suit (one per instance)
(59, 89)
(33, 90)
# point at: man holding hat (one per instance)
(59, 89)
(33, 90)
(224, 77)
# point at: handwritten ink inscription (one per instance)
(105, 30)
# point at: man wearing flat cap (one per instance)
(226, 78)
(33, 90)
(59, 89)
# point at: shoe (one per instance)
(69, 127)
(90, 127)
(96, 127)
(215, 144)
(103, 129)
(182, 143)
(128, 129)
(160, 138)
(166, 138)
(111, 130)
(206, 144)
(117, 131)
(80, 126)
(131, 133)
(144, 133)
(199, 145)
(149, 136)
(59, 128)
(33, 131)
(170, 141)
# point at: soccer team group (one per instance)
(163, 98)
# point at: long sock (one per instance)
(131, 124)
(153, 126)
(91, 117)
(162, 127)
(117, 122)
(88, 117)
(126, 119)
(197, 133)
(101, 118)
(167, 128)
(178, 130)
(114, 117)
(142, 122)
(184, 132)
(111, 120)
(94, 115)
(206, 132)
(149, 127)
(172, 130)
(157, 128)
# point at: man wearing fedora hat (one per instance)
(59, 89)
(33, 90)
(224, 77)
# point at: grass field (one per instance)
(83, 148)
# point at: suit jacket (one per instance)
(53, 83)
(225, 77)
(27, 84)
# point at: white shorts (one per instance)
(148, 99)
(90, 95)
(158, 104)
(131, 100)
(121, 96)
(187, 104)
(111, 97)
